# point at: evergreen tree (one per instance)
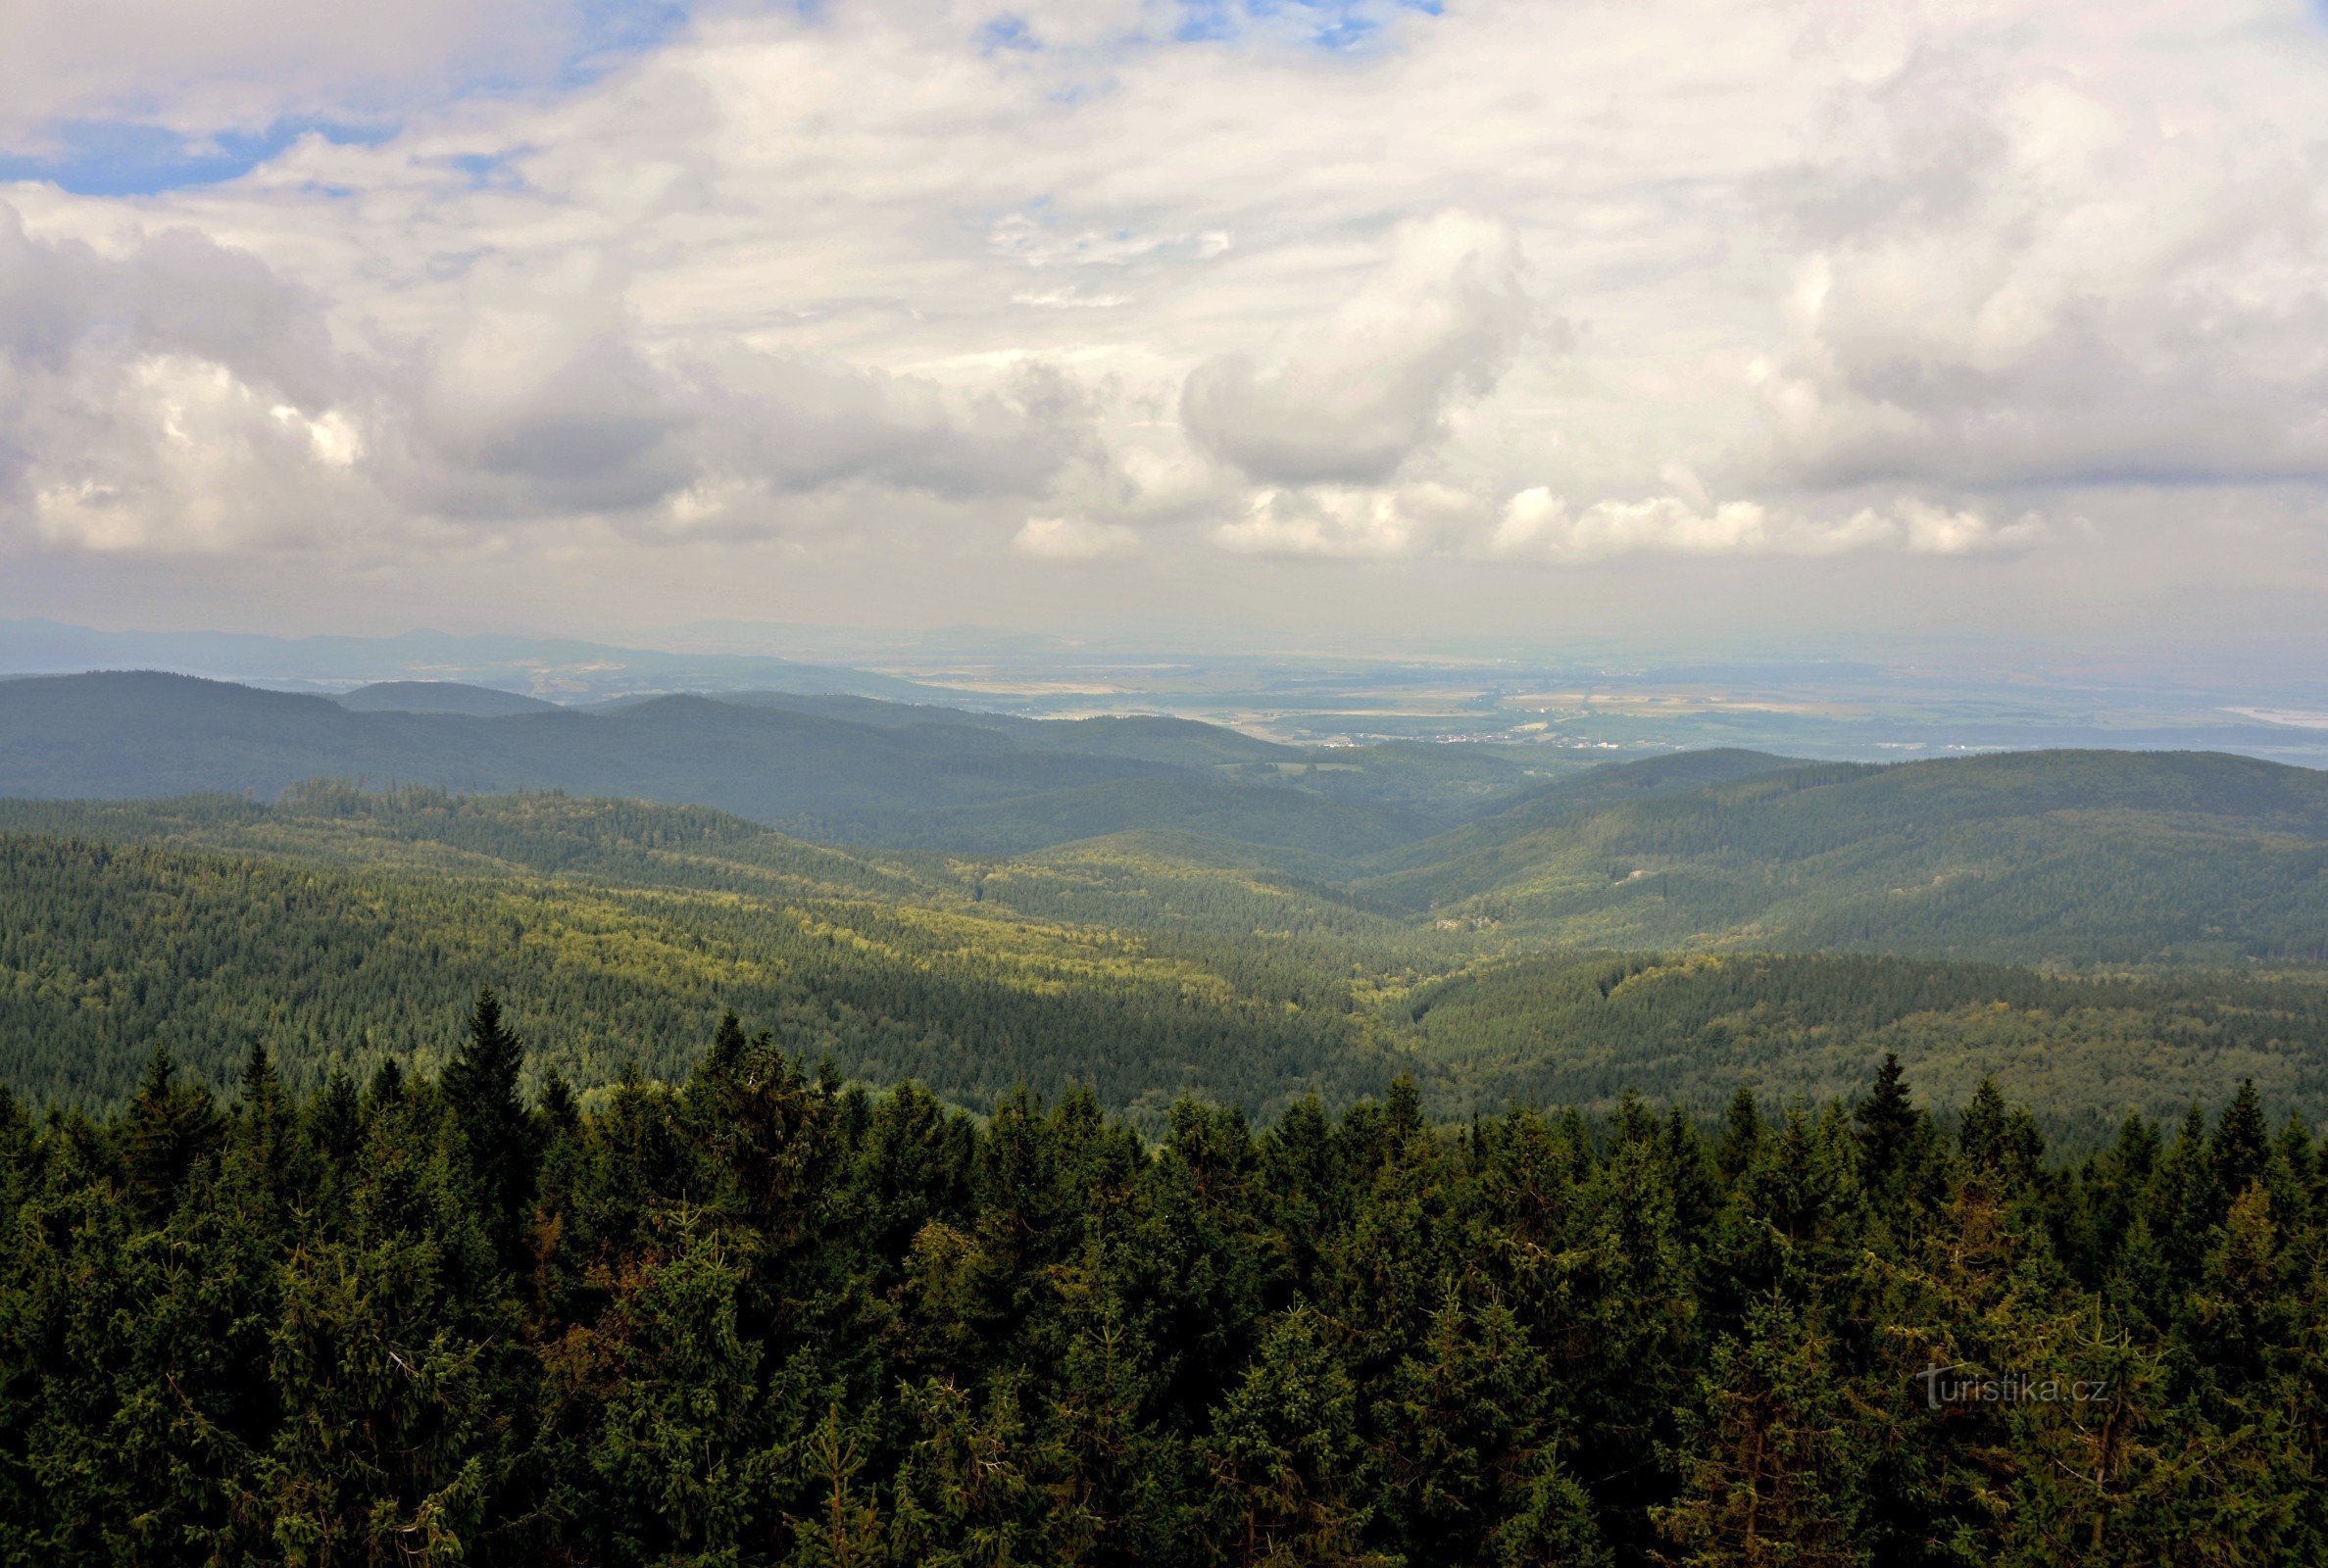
(2242, 1144)
(1283, 1454)
(169, 1127)
(764, 1318)
(1768, 1467)
(1742, 1133)
(1888, 1125)
(480, 1088)
(336, 1118)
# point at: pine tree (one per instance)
(967, 1496)
(726, 1054)
(1887, 1121)
(1553, 1527)
(1742, 1131)
(262, 1085)
(169, 1128)
(561, 1111)
(2242, 1144)
(388, 1085)
(1283, 1454)
(480, 1086)
(1467, 1410)
(336, 1118)
(1980, 1132)
(1767, 1462)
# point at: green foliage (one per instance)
(2075, 857)
(765, 1318)
(1690, 1029)
(340, 927)
(344, 938)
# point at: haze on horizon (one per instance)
(1680, 320)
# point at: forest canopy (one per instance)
(762, 1317)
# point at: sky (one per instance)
(1665, 317)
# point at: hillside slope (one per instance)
(440, 696)
(355, 943)
(908, 780)
(344, 927)
(2072, 856)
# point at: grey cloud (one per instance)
(145, 394)
(47, 294)
(217, 63)
(179, 291)
(186, 290)
(800, 424)
(609, 429)
(145, 384)
(2164, 390)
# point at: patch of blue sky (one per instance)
(1007, 32)
(497, 170)
(1329, 23)
(609, 32)
(138, 157)
(130, 158)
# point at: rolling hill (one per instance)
(2033, 856)
(344, 927)
(839, 770)
(2059, 857)
(440, 697)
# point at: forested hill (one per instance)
(344, 927)
(836, 769)
(440, 697)
(2061, 856)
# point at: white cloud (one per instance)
(1352, 397)
(2016, 275)
(1536, 523)
(180, 396)
(1345, 521)
(1073, 539)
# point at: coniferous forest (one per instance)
(763, 1316)
(1937, 1187)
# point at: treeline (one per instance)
(762, 1317)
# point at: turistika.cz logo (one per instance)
(1961, 1384)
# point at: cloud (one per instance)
(180, 396)
(1351, 398)
(1073, 539)
(1536, 523)
(177, 396)
(2010, 275)
(1345, 521)
(872, 280)
(202, 66)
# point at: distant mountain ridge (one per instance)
(2076, 858)
(440, 696)
(558, 665)
(923, 779)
